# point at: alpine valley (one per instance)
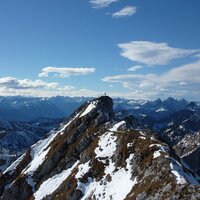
(112, 149)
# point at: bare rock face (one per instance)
(189, 151)
(96, 156)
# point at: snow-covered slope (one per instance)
(97, 156)
(17, 137)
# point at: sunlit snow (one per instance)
(14, 164)
(161, 110)
(51, 184)
(90, 107)
(116, 126)
(38, 153)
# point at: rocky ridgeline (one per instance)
(189, 150)
(96, 156)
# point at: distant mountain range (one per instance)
(18, 108)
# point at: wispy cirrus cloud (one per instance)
(66, 71)
(101, 3)
(151, 53)
(178, 82)
(124, 12)
(134, 68)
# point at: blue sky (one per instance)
(130, 48)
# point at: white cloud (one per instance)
(101, 3)
(134, 68)
(177, 82)
(68, 88)
(13, 83)
(151, 53)
(186, 73)
(65, 72)
(12, 86)
(126, 11)
(119, 78)
(182, 83)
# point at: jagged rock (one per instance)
(97, 156)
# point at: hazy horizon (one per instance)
(92, 97)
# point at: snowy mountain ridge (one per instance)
(93, 156)
(17, 137)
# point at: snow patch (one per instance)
(129, 145)
(65, 126)
(141, 133)
(38, 153)
(162, 148)
(90, 107)
(117, 188)
(161, 110)
(13, 166)
(51, 184)
(142, 115)
(116, 126)
(142, 137)
(171, 124)
(106, 146)
(136, 107)
(82, 170)
(153, 139)
(180, 127)
(156, 154)
(178, 172)
(116, 182)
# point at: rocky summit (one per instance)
(95, 155)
